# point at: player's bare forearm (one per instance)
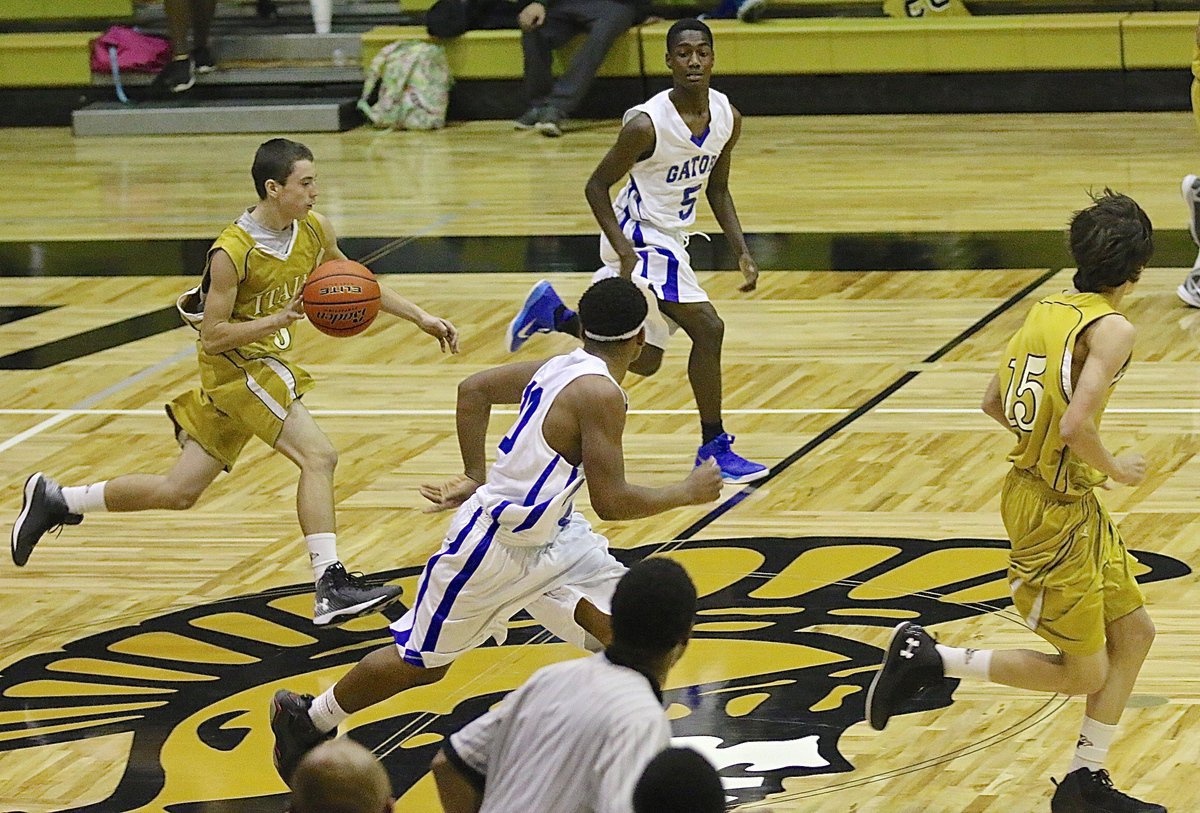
(392, 303)
(221, 337)
(629, 501)
(992, 406)
(597, 194)
(476, 395)
(455, 791)
(723, 209)
(1084, 442)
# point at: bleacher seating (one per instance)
(1111, 41)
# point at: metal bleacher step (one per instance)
(216, 116)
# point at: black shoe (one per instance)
(528, 120)
(1086, 791)
(341, 596)
(550, 122)
(202, 58)
(266, 9)
(177, 77)
(43, 509)
(910, 664)
(295, 734)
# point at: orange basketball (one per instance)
(341, 298)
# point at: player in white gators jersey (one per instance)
(675, 147)
(515, 542)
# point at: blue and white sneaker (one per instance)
(734, 468)
(535, 316)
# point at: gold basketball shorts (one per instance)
(1069, 571)
(238, 398)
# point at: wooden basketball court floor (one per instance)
(139, 651)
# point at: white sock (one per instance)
(322, 552)
(85, 499)
(325, 712)
(965, 663)
(1092, 747)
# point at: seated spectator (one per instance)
(577, 735)
(184, 17)
(679, 780)
(549, 25)
(340, 776)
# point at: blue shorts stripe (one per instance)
(456, 586)
(670, 289)
(454, 546)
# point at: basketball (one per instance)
(341, 298)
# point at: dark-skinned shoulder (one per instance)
(637, 137)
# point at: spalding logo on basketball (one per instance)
(341, 298)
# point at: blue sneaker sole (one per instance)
(513, 339)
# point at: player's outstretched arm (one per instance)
(1108, 343)
(721, 201)
(217, 333)
(635, 142)
(391, 302)
(599, 408)
(476, 395)
(993, 405)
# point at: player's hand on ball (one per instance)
(749, 270)
(450, 494)
(294, 311)
(442, 330)
(704, 483)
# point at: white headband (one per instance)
(596, 337)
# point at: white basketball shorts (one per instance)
(476, 582)
(664, 269)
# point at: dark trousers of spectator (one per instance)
(603, 20)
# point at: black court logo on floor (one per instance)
(775, 673)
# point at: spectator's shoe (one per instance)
(177, 77)
(536, 315)
(1189, 289)
(202, 58)
(751, 11)
(295, 734)
(910, 664)
(1189, 188)
(341, 596)
(528, 119)
(43, 509)
(734, 468)
(550, 122)
(1086, 791)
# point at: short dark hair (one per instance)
(274, 161)
(1111, 240)
(612, 307)
(687, 24)
(679, 780)
(653, 608)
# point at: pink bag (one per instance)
(135, 51)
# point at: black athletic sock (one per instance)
(708, 431)
(567, 321)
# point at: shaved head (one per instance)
(340, 776)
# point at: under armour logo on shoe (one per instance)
(912, 645)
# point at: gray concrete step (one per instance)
(225, 116)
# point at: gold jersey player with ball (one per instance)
(248, 298)
(1071, 576)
